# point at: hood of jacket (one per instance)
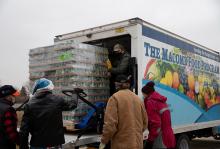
(156, 96)
(41, 94)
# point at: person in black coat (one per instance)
(120, 64)
(43, 117)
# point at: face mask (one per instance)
(117, 54)
(142, 99)
(118, 86)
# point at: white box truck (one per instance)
(186, 72)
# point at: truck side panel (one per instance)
(187, 74)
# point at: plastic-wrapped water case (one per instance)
(71, 65)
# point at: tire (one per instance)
(217, 137)
(182, 142)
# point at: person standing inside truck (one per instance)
(120, 63)
(8, 118)
(125, 118)
(43, 118)
(160, 129)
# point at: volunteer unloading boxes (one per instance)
(43, 117)
(160, 130)
(125, 118)
(119, 62)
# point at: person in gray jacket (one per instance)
(120, 63)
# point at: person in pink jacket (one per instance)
(160, 131)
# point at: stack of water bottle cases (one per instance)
(71, 65)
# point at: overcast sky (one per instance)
(26, 24)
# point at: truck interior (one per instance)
(124, 40)
(109, 43)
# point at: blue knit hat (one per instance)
(43, 84)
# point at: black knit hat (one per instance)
(6, 90)
(148, 88)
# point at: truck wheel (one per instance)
(182, 142)
(217, 137)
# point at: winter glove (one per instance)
(108, 64)
(101, 146)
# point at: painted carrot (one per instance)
(148, 66)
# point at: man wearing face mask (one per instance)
(8, 118)
(120, 62)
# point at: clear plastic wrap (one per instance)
(71, 65)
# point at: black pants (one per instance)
(148, 145)
(108, 146)
(9, 146)
(112, 85)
